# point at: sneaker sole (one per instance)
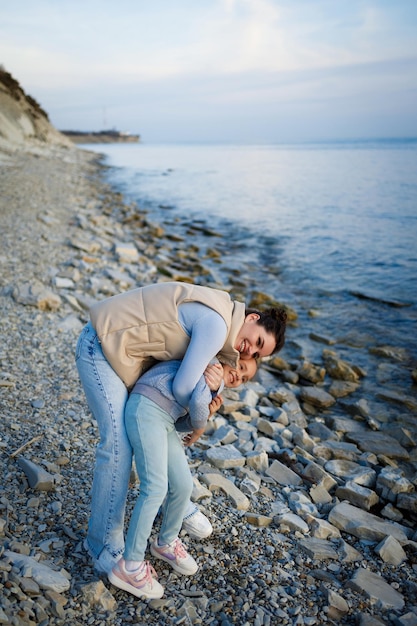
(139, 593)
(196, 534)
(173, 564)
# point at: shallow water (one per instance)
(331, 227)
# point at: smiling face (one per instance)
(253, 340)
(235, 376)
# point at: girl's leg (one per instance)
(148, 428)
(106, 396)
(180, 486)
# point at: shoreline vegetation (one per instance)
(312, 496)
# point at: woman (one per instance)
(126, 335)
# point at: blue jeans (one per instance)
(163, 471)
(106, 396)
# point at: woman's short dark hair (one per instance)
(274, 321)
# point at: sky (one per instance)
(236, 71)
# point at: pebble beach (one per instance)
(311, 495)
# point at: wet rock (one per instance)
(337, 368)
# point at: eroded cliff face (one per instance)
(22, 119)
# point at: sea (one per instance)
(328, 228)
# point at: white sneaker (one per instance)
(141, 583)
(176, 555)
(196, 524)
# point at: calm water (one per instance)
(321, 226)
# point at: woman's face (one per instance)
(253, 340)
(235, 376)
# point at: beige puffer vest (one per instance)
(137, 327)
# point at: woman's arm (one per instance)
(207, 336)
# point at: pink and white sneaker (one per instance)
(176, 555)
(141, 583)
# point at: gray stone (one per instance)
(342, 450)
(321, 529)
(126, 252)
(392, 482)
(317, 397)
(38, 478)
(337, 368)
(407, 502)
(314, 473)
(378, 443)
(376, 589)
(217, 481)
(290, 522)
(351, 471)
(269, 428)
(357, 495)
(43, 575)
(282, 474)
(225, 457)
(359, 523)
(318, 549)
(409, 619)
(257, 460)
(391, 551)
(342, 388)
(301, 505)
(338, 607)
(97, 596)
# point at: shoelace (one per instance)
(146, 573)
(179, 550)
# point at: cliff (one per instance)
(22, 119)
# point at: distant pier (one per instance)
(101, 136)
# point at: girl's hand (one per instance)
(215, 405)
(192, 437)
(213, 375)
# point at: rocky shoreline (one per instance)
(312, 499)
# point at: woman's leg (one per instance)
(148, 428)
(106, 396)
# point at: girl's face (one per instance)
(235, 376)
(253, 340)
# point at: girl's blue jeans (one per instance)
(106, 396)
(163, 471)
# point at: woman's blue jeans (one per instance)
(163, 471)
(106, 396)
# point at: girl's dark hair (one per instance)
(274, 321)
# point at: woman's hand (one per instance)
(213, 375)
(192, 437)
(215, 405)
